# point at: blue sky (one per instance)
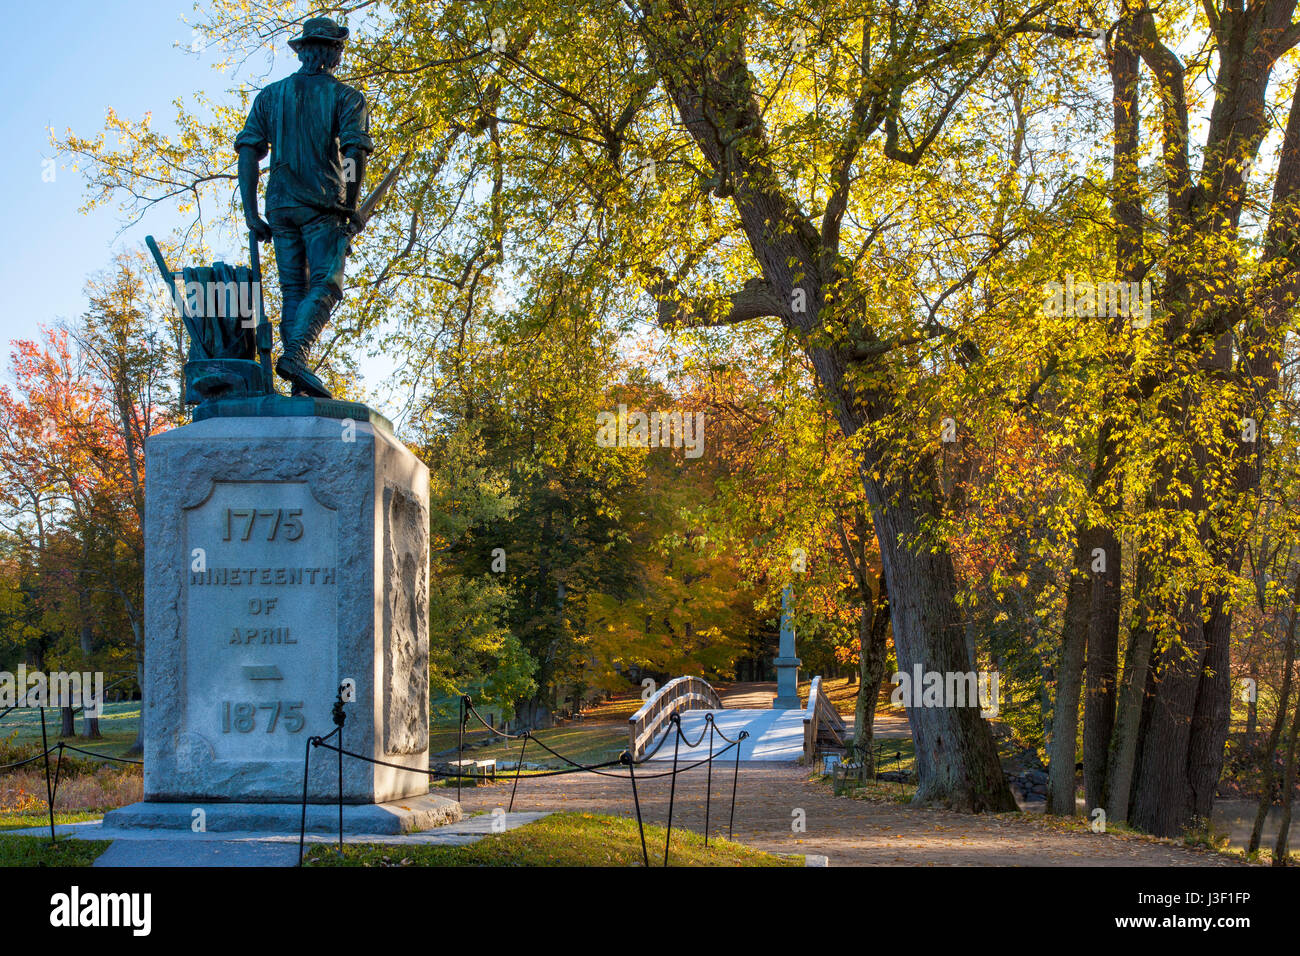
(63, 66)
(63, 70)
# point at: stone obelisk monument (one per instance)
(787, 665)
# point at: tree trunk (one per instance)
(1182, 716)
(1288, 790)
(873, 631)
(1115, 781)
(1062, 778)
(537, 712)
(713, 93)
(1252, 708)
(1094, 578)
(67, 728)
(1275, 737)
(1162, 800)
(1280, 250)
(1212, 715)
(1102, 666)
(957, 763)
(87, 641)
(1128, 721)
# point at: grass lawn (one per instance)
(842, 691)
(876, 791)
(505, 778)
(592, 743)
(37, 851)
(119, 725)
(40, 818)
(562, 839)
(618, 708)
(904, 748)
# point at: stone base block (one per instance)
(398, 816)
(286, 556)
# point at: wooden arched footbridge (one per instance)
(774, 735)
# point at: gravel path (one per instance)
(849, 832)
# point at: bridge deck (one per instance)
(775, 735)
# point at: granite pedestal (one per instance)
(284, 556)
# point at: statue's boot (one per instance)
(301, 378)
(307, 325)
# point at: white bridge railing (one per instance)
(681, 693)
(822, 723)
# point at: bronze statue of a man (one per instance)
(318, 134)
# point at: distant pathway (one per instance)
(849, 832)
(753, 695)
(889, 725)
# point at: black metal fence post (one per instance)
(708, 785)
(339, 718)
(49, 790)
(518, 767)
(460, 746)
(636, 800)
(735, 777)
(306, 765)
(672, 792)
(58, 768)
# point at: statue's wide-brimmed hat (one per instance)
(320, 30)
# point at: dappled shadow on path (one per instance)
(774, 798)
